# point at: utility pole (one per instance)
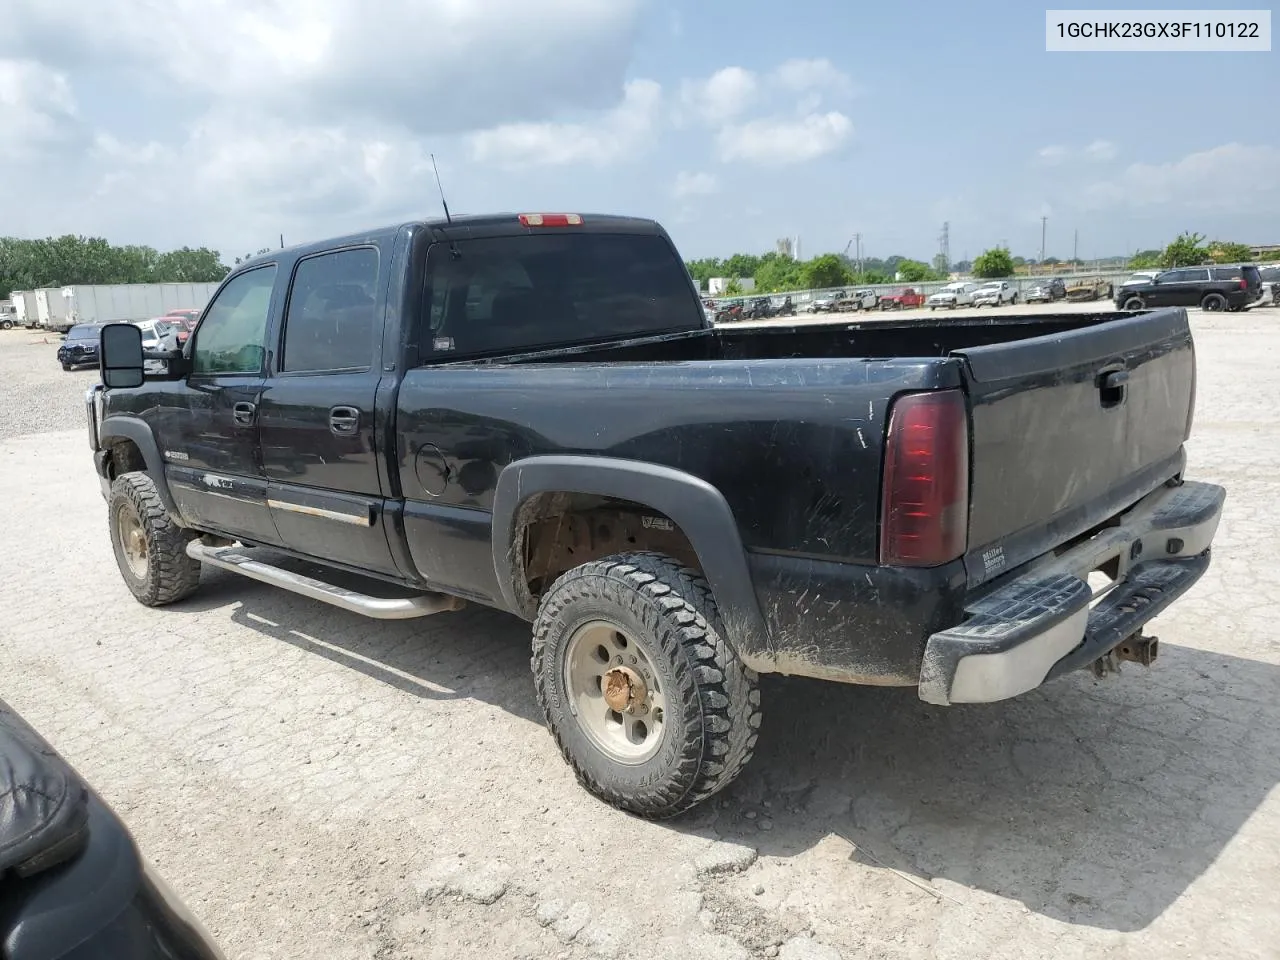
(1075, 251)
(1043, 222)
(944, 244)
(857, 251)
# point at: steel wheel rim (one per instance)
(600, 657)
(133, 540)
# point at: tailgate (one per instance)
(1071, 428)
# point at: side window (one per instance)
(232, 337)
(330, 321)
(1228, 273)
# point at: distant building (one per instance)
(1265, 248)
(716, 286)
(787, 247)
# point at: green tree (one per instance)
(827, 270)
(996, 262)
(733, 288)
(68, 260)
(869, 277)
(1187, 251)
(186, 265)
(1221, 251)
(704, 269)
(913, 271)
(741, 265)
(1145, 260)
(778, 273)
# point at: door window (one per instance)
(330, 320)
(232, 337)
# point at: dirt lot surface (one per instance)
(319, 785)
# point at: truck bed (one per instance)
(1050, 458)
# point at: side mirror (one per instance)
(120, 355)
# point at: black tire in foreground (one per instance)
(150, 549)
(647, 701)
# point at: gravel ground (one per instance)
(316, 784)
(39, 395)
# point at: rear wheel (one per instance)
(1213, 302)
(1134, 303)
(150, 549)
(648, 703)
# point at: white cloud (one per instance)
(1101, 150)
(1051, 155)
(776, 141)
(620, 132)
(694, 185)
(37, 108)
(431, 65)
(1233, 177)
(804, 75)
(722, 96)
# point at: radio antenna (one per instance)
(443, 202)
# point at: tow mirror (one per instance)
(120, 355)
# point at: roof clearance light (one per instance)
(551, 219)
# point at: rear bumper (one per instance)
(1044, 622)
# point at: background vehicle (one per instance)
(995, 293)
(1209, 288)
(80, 346)
(6, 315)
(826, 303)
(958, 294)
(1084, 290)
(902, 299)
(729, 311)
(859, 300)
(1047, 291)
(531, 413)
(1269, 286)
(74, 884)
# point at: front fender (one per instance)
(131, 428)
(691, 503)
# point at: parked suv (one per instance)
(1209, 288)
(80, 346)
(1269, 293)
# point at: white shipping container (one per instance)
(109, 303)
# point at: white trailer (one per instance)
(24, 308)
(109, 303)
(52, 309)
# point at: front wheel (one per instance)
(1134, 303)
(150, 549)
(6, 324)
(647, 701)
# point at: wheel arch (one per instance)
(126, 434)
(698, 510)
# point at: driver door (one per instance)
(208, 423)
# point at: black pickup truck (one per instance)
(532, 412)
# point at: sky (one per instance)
(227, 123)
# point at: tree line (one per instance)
(64, 261)
(778, 272)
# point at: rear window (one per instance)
(503, 294)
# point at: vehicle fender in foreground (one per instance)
(131, 428)
(694, 505)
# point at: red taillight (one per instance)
(551, 219)
(1244, 284)
(925, 498)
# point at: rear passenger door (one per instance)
(316, 418)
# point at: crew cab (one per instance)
(530, 412)
(906, 298)
(958, 294)
(866, 299)
(995, 293)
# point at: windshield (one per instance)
(83, 333)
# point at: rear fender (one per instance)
(691, 503)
